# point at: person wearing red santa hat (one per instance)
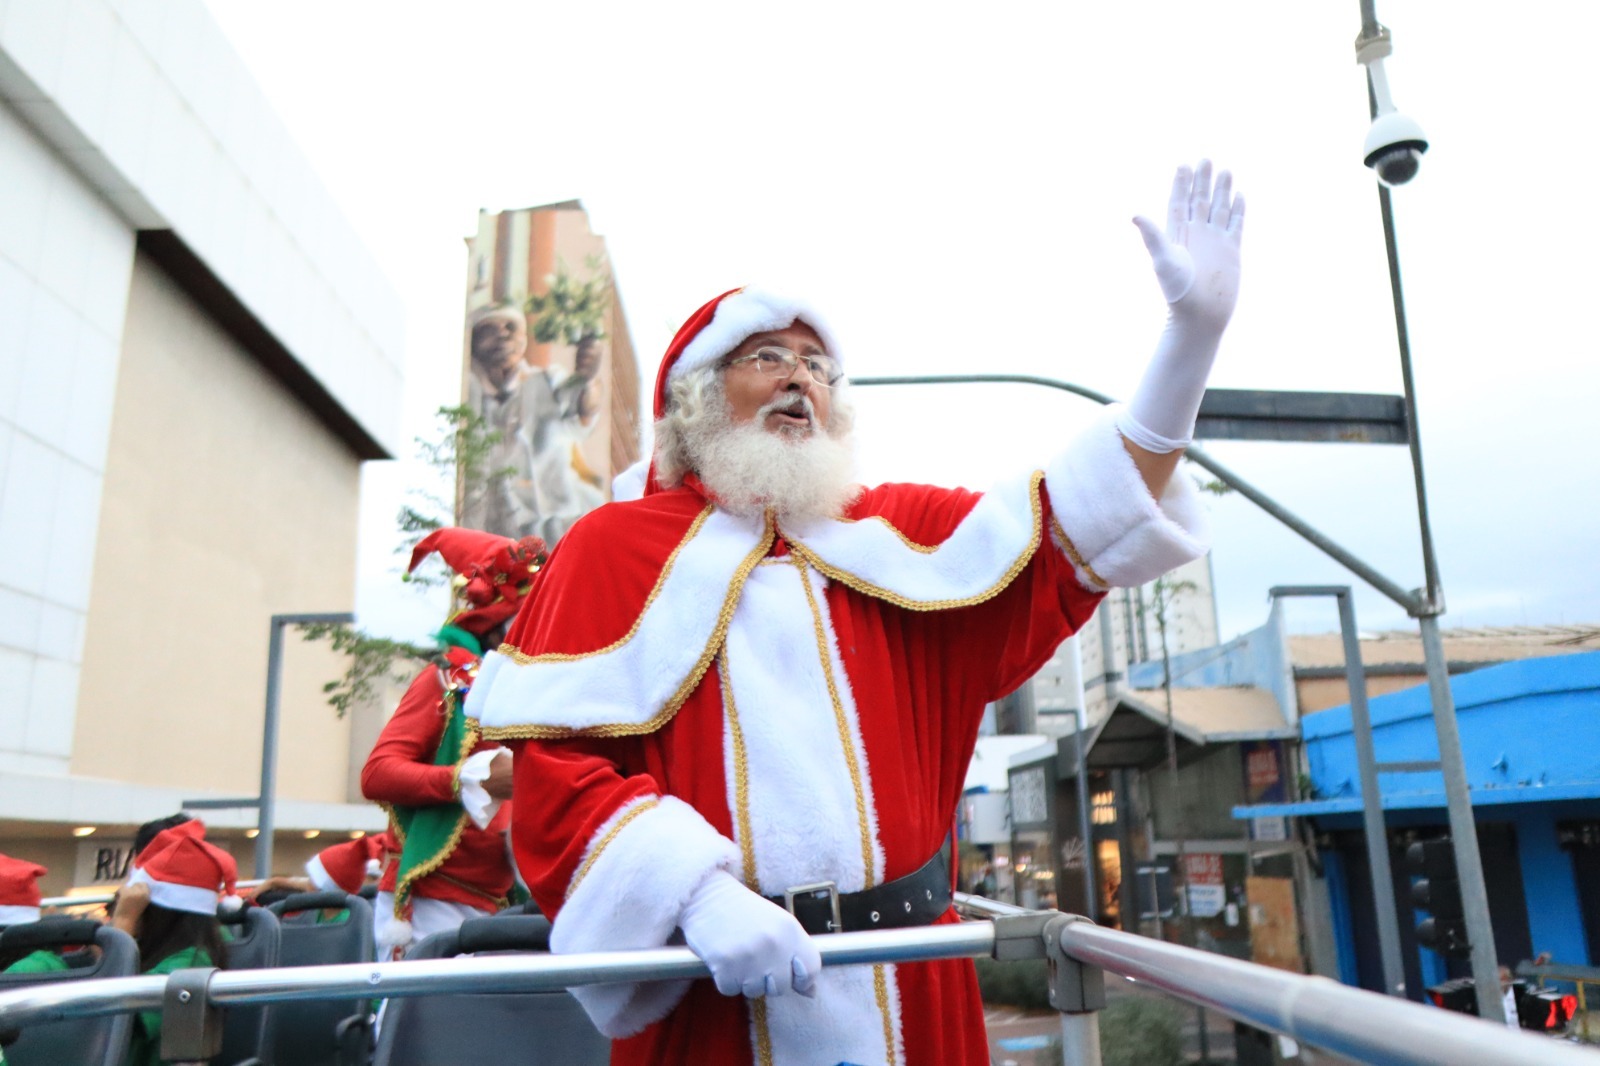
(169, 906)
(347, 867)
(442, 786)
(760, 676)
(19, 890)
(19, 903)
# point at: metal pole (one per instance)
(1463, 827)
(265, 813)
(1085, 813)
(267, 810)
(1382, 876)
(1197, 455)
(1432, 595)
(1383, 901)
(1080, 1039)
(1430, 605)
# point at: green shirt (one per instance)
(146, 1048)
(38, 962)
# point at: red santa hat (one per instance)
(496, 571)
(343, 867)
(19, 890)
(186, 872)
(723, 324)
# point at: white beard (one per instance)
(750, 469)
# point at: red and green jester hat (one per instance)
(493, 577)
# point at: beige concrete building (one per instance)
(196, 356)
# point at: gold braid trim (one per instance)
(611, 834)
(862, 585)
(758, 1017)
(925, 549)
(843, 723)
(1072, 553)
(741, 775)
(403, 885)
(662, 717)
(880, 985)
(522, 658)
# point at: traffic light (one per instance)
(1438, 891)
(1545, 1009)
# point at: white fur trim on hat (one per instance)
(747, 312)
(320, 877)
(176, 897)
(16, 914)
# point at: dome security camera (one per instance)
(1395, 142)
(1394, 148)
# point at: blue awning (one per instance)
(1395, 801)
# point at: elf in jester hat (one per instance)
(442, 786)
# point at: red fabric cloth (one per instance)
(400, 770)
(920, 680)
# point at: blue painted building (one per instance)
(1530, 733)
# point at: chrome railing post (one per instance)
(1078, 991)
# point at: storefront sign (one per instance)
(1029, 804)
(1202, 874)
(101, 862)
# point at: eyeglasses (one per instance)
(774, 362)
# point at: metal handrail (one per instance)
(1346, 1022)
(102, 898)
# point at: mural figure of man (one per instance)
(559, 412)
(541, 413)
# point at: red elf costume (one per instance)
(428, 764)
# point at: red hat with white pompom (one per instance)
(186, 872)
(723, 324)
(19, 890)
(343, 867)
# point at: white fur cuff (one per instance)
(643, 866)
(1120, 537)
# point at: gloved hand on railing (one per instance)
(752, 946)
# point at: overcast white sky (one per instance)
(953, 186)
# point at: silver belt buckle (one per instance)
(835, 924)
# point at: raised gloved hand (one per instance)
(753, 946)
(1196, 261)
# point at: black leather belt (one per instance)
(915, 899)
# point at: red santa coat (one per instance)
(693, 691)
(400, 770)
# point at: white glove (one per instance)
(1197, 264)
(752, 945)
(480, 806)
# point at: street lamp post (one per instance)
(1405, 147)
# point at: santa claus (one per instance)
(743, 705)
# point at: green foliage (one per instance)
(572, 312)
(373, 660)
(1138, 1030)
(1023, 983)
(461, 455)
